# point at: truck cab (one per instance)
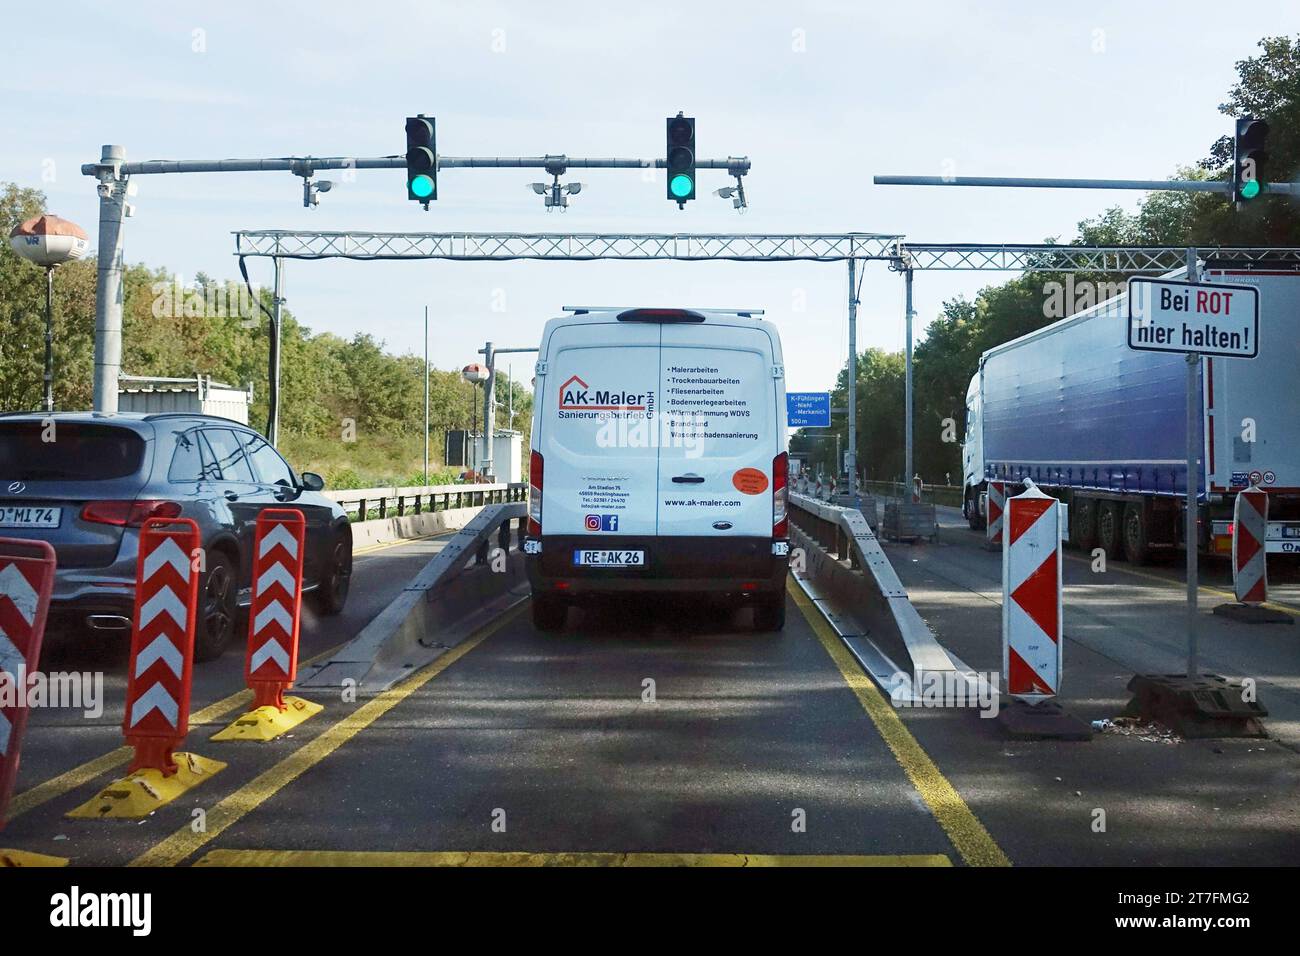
(972, 457)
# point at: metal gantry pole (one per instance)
(907, 378)
(108, 283)
(852, 366)
(1190, 531)
(426, 395)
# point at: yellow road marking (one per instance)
(973, 842)
(382, 545)
(265, 785)
(78, 776)
(394, 859)
(1182, 585)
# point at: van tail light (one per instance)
(780, 471)
(535, 495)
(129, 514)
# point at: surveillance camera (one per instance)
(324, 185)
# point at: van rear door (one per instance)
(720, 430)
(597, 424)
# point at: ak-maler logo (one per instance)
(577, 396)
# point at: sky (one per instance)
(820, 96)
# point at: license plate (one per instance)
(609, 559)
(27, 516)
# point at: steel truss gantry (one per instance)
(738, 247)
(852, 248)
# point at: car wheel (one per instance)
(549, 613)
(331, 595)
(769, 613)
(217, 613)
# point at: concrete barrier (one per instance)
(477, 575)
(849, 577)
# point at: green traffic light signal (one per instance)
(1249, 189)
(422, 186)
(681, 186)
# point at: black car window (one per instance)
(229, 455)
(270, 467)
(193, 459)
(68, 451)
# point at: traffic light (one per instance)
(681, 158)
(1248, 159)
(421, 159)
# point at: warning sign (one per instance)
(1200, 317)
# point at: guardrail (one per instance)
(363, 504)
(477, 575)
(846, 566)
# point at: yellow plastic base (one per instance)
(145, 791)
(267, 723)
(17, 858)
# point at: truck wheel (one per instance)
(769, 613)
(549, 613)
(1083, 523)
(1110, 535)
(973, 516)
(1137, 541)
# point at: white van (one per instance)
(658, 460)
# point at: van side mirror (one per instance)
(311, 481)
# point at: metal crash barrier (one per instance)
(477, 575)
(846, 573)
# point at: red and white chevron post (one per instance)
(1249, 561)
(997, 503)
(272, 660)
(26, 579)
(1031, 596)
(162, 643)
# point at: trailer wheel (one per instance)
(1110, 537)
(1083, 522)
(1137, 538)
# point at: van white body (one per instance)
(660, 438)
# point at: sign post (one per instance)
(1194, 318)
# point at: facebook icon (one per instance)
(609, 522)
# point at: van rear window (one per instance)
(76, 451)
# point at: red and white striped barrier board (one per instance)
(26, 579)
(997, 503)
(1031, 596)
(1249, 565)
(162, 643)
(272, 660)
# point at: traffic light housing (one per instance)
(421, 159)
(1248, 159)
(681, 158)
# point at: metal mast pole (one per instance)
(49, 338)
(907, 378)
(426, 395)
(489, 398)
(1190, 535)
(273, 401)
(852, 462)
(108, 288)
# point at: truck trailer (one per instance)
(1103, 427)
